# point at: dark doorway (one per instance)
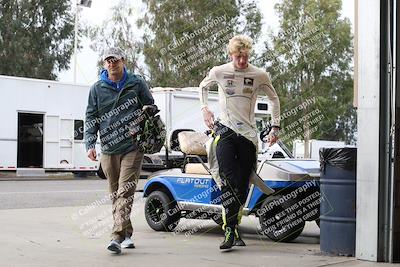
(30, 140)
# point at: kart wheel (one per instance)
(162, 213)
(280, 222)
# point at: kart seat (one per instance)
(192, 144)
(195, 168)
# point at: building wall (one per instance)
(368, 59)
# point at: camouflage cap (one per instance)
(113, 52)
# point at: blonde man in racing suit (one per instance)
(238, 83)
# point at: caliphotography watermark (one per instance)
(206, 42)
(283, 215)
(304, 119)
(97, 219)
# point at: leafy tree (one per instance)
(117, 30)
(311, 58)
(183, 39)
(36, 37)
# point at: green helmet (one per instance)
(149, 133)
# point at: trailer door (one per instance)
(66, 143)
(52, 142)
(59, 142)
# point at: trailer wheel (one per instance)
(280, 222)
(162, 213)
(100, 173)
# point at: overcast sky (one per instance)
(100, 9)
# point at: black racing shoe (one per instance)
(238, 239)
(229, 239)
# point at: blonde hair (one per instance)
(239, 43)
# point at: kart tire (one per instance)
(162, 213)
(278, 225)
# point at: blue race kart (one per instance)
(191, 192)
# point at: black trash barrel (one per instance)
(338, 200)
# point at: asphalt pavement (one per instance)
(67, 223)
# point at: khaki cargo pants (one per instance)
(122, 172)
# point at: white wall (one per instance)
(368, 129)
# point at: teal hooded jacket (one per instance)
(111, 110)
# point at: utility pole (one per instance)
(85, 3)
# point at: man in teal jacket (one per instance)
(115, 101)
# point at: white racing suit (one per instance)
(236, 135)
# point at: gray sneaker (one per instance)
(128, 243)
(114, 246)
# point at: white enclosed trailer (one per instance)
(42, 125)
(180, 109)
